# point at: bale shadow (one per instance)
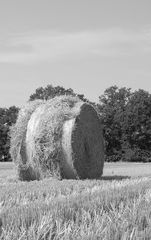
(117, 178)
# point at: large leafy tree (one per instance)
(50, 92)
(127, 124)
(112, 105)
(8, 116)
(137, 122)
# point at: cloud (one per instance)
(51, 46)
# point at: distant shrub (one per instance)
(113, 158)
(137, 155)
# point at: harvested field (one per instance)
(73, 209)
(124, 169)
(112, 171)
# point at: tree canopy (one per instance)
(50, 92)
(7, 118)
(126, 116)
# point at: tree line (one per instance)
(124, 114)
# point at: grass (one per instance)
(70, 209)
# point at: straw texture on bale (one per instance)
(17, 143)
(61, 137)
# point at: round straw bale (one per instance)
(17, 141)
(63, 139)
(82, 143)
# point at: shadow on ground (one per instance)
(117, 178)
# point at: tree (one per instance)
(112, 106)
(137, 124)
(50, 92)
(126, 117)
(7, 118)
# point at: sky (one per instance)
(86, 45)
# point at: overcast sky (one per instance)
(86, 45)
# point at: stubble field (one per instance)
(118, 206)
